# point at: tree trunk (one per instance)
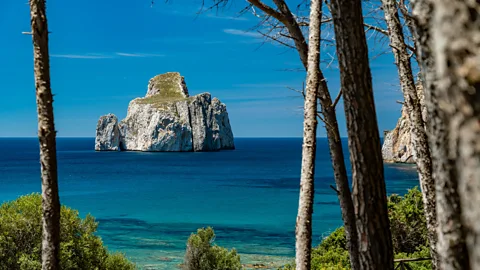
(417, 127)
(369, 194)
(456, 33)
(303, 233)
(46, 136)
(285, 16)
(451, 246)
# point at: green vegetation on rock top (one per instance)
(169, 85)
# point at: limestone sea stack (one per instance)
(397, 146)
(167, 119)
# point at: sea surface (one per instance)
(147, 204)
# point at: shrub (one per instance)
(407, 222)
(409, 236)
(80, 248)
(202, 254)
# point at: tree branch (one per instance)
(376, 29)
(337, 99)
(268, 10)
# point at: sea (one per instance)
(147, 204)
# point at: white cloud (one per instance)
(105, 56)
(139, 54)
(222, 17)
(243, 33)
(81, 56)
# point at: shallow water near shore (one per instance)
(147, 204)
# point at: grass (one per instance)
(170, 91)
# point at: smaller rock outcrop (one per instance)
(397, 146)
(168, 119)
(108, 134)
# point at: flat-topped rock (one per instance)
(169, 85)
(168, 119)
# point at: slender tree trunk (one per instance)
(456, 35)
(369, 194)
(417, 128)
(451, 246)
(285, 16)
(303, 233)
(46, 136)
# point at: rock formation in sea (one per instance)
(167, 119)
(397, 146)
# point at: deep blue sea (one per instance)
(147, 204)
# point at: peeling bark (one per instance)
(46, 136)
(369, 194)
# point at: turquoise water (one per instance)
(147, 204)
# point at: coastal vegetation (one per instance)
(203, 254)
(409, 235)
(80, 247)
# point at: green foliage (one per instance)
(421, 252)
(201, 254)
(407, 222)
(80, 248)
(409, 236)
(170, 91)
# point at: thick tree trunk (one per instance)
(285, 16)
(417, 127)
(46, 136)
(369, 194)
(456, 35)
(451, 246)
(303, 233)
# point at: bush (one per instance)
(409, 236)
(80, 248)
(407, 222)
(201, 254)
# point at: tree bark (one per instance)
(303, 233)
(417, 126)
(285, 16)
(451, 246)
(369, 194)
(456, 35)
(46, 136)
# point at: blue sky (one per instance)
(104, 52)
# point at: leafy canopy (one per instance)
(80, 248)
(202, 254)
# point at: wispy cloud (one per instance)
(223, 17)
(139, 54)
(243, 33)
(105, 55)
(82, 56)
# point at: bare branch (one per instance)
(334, 189)
(268, 10)
(337, 99)
(376, 29)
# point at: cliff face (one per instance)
(397, 146)
(168, 119)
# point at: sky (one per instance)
(103, 52)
